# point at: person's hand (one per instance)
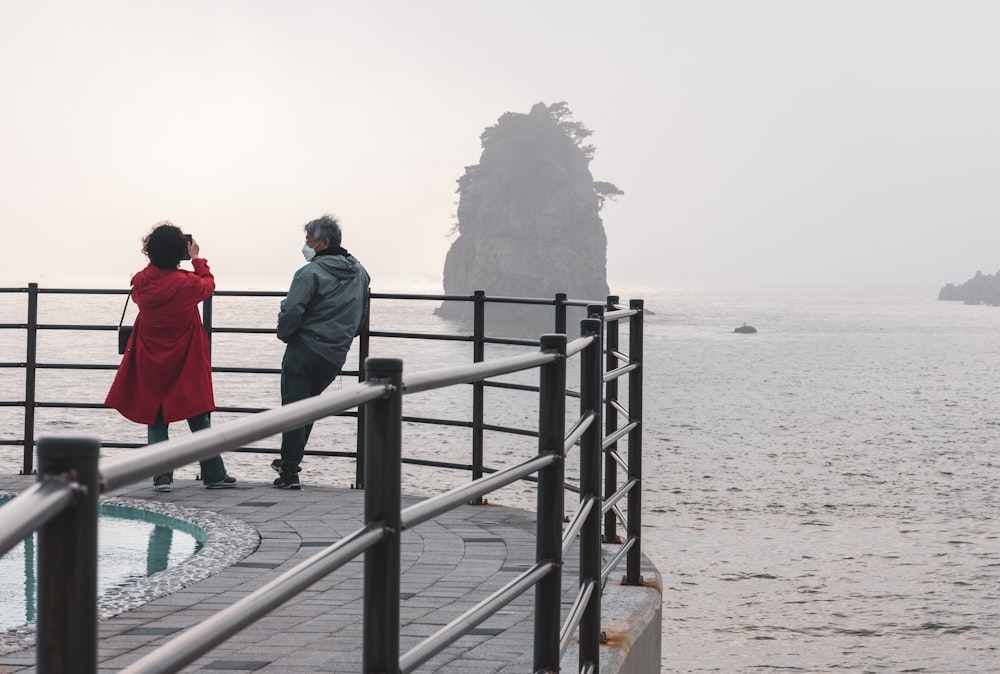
(194, 249)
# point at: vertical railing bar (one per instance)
(610, 419)
(206, 320)
(30, 365)
(478, 388)
(364, 350)
(66, 629)
(548, 543)
(382, 505)
(635, 445)
(591, 454)
(560, 322)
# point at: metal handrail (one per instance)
(207, 634)
(381, 390)
(163, 456)
(33, 507)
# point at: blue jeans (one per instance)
(212, 469)
(303, 375)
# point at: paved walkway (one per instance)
(448, 565)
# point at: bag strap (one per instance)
(125, 308)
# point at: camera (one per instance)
(190, 240)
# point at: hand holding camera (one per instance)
(193, 249)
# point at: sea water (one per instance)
(822, 495)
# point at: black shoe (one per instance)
(162, 483)
(287, 481)
(276, 467)
(228, 482)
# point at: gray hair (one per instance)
(325, 227)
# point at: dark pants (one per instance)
(303, 375)
(212, 469)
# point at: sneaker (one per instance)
(276, 467)
(287, 481)
(228, 482)
(162, 483)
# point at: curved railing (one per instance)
(64, 502)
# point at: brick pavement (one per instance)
(447, 566)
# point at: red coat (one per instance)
(167, 362)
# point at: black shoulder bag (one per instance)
(124, 331)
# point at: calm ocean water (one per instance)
(823, 495)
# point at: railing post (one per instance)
(30, 365)
(610, 419)
(478, 390)
(591, 374)
(548, 544)
(206, 319)
(364, 349)
(560, 323)
(382, 505)
(67, 561)
(635, 445)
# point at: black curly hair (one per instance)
(165, 246)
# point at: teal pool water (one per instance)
(132, 543)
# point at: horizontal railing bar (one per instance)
(576, 522)
(32, 508)
(248, 370)
(243, 331)
(619, 434)
(419, 335)
(419, 296)
(74, 366)
(441, 503)
(466, 622)
(75, 326)
(620, 357)
(575, 615)
(439, 422)
(215, 629)
(249, 293)
(437, 464)
(579, 428)
(82, 291)
(578, 345)
(622, 463)
(514, 387)
(464, 374)
(617, 315)
(163, 456)
(510, 430)
(619, 494)
(613, 562)
(510, 341)
(619, 372)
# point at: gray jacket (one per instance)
(325, 306)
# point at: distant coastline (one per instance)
(980, 289)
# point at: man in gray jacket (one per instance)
(319, 318)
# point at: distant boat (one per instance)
(746, 329)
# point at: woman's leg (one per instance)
(157, 432)
(213, 469)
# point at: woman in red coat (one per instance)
(166, 372)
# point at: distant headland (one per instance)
(980, 289)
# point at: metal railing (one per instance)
(63, 502)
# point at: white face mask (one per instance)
(307, 252)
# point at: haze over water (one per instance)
(821, 495)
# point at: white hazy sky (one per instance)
(847, 146)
